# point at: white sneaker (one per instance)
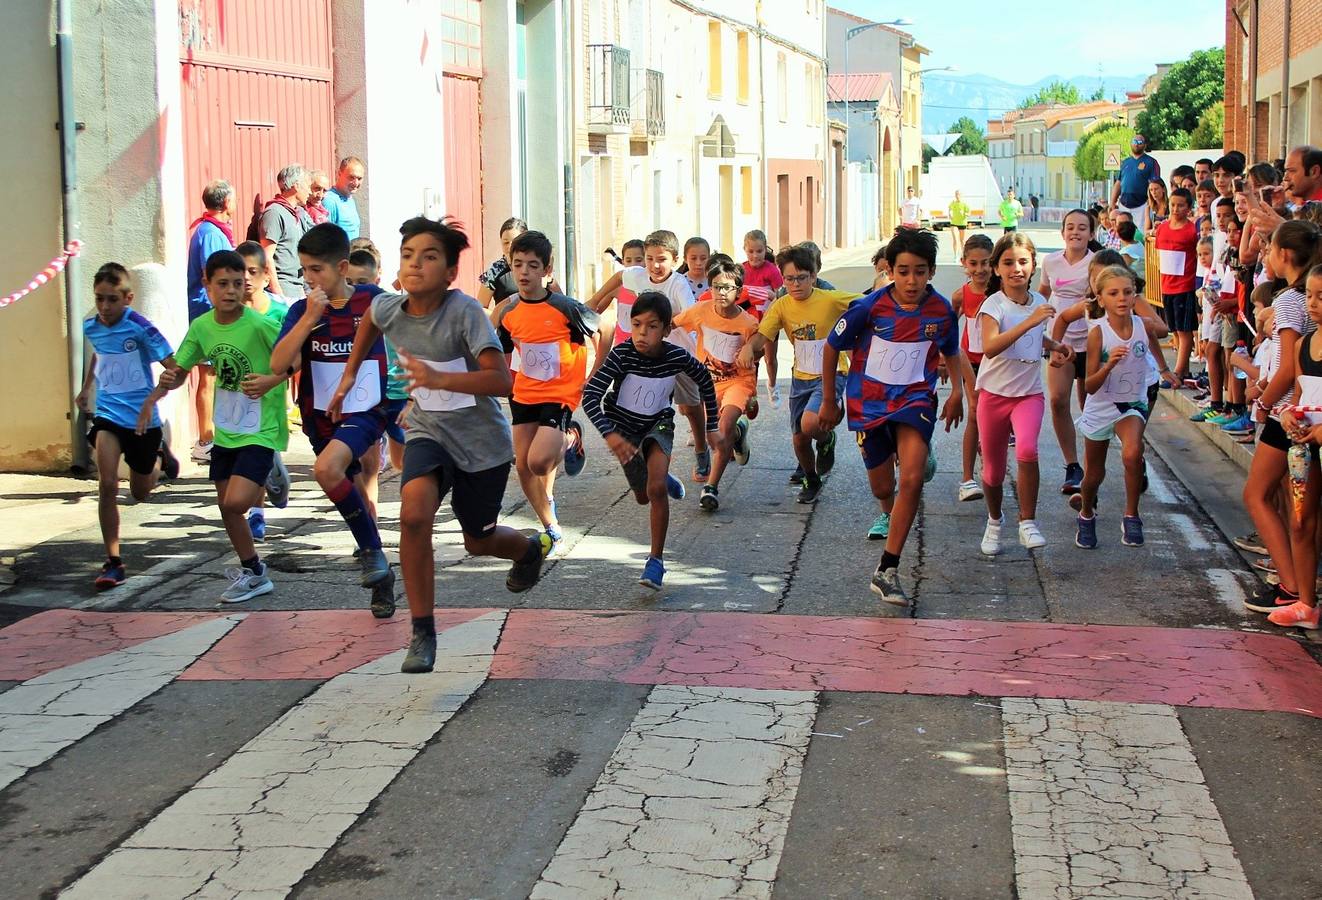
(201, 451)
(1030, 535)
(970, 490)
(246, 584)
(991, 537)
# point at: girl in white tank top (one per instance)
(1119, 367)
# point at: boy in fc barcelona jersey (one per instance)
(317, 336)
(894, 337)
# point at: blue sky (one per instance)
(1069, 39)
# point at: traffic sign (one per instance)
(1111, 156)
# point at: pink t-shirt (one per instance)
(761, 283)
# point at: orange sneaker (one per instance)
(1296, 615)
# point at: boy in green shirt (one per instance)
(249, 415)
(1011, 210)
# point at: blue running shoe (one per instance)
(653, 574)
(257, 524)
(575, 455)
(674, 487)
(1131, 531)
(1086, 537)
(1241, 425)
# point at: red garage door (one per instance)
(257, 95)
(462, 62)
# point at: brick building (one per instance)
(1273, 99)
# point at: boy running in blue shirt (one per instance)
(125, 344)
(894, 337)
(318, 335)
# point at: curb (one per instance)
(1239, 454)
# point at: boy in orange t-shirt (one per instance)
(551, 332)
(722, 330)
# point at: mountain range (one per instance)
(947, 96)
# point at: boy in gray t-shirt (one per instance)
(458, 440)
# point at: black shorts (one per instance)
(140, 451)
(1181, 311)
(251, 461)
(1080, 364)
(475, 497)
(1274, 436)
(552, 415)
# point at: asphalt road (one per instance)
(1047, 724)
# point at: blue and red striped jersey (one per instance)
(893, 354)
(327, 350)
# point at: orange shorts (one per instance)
(736, 392)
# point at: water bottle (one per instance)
(1243, 351)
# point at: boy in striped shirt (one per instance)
(895, 337)
(628, 399)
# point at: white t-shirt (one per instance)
(1017, 371)
(911, 211)
(1069, 285)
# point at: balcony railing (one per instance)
(608, 89)
(649, 110)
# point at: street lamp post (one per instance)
(850, 34)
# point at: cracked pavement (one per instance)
(761, 727)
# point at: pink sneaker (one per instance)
(1296, 615)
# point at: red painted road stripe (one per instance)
(1181, 667)
(309, 644)
(61, 637)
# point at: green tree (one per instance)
(1062, 92)
(1099, 94)
(1089, 156)
(972, 142)
(1189, 88)
(1209, 133)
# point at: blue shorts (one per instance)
(806, 396)
(361, 431)
(879, 444)
(395, 428)
(252, 462)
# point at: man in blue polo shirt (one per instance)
(1130, 192)
(340, 205)
(211, 232)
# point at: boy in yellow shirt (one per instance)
(806, 314)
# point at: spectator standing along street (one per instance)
(1130, 191)
(284, 222)
(911, 210)
(212, 232)
(339, 201)
(319, 184)
(1010, 211)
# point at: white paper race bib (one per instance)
(974, 331)
(1128, 381)
(434, 400)
(643, 395)
(897, 363)
(236, 412)
(365, 393)
(540, 362)
(720, 345)
(1310, 394)
(1172, 262)
(808, 356)
(623, 312)
(1029, 346)
(120, 373)
(516, 360)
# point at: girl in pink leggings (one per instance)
(1013, 321)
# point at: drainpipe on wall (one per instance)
(68, 128)
(762, 117)
(1253, 79)
(570, 256)
(1285, 84)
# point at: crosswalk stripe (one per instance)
(62, 637)
(1107, 799)
(45, 714)
(695, 802)
(265, 816)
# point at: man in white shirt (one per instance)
(911, 211)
